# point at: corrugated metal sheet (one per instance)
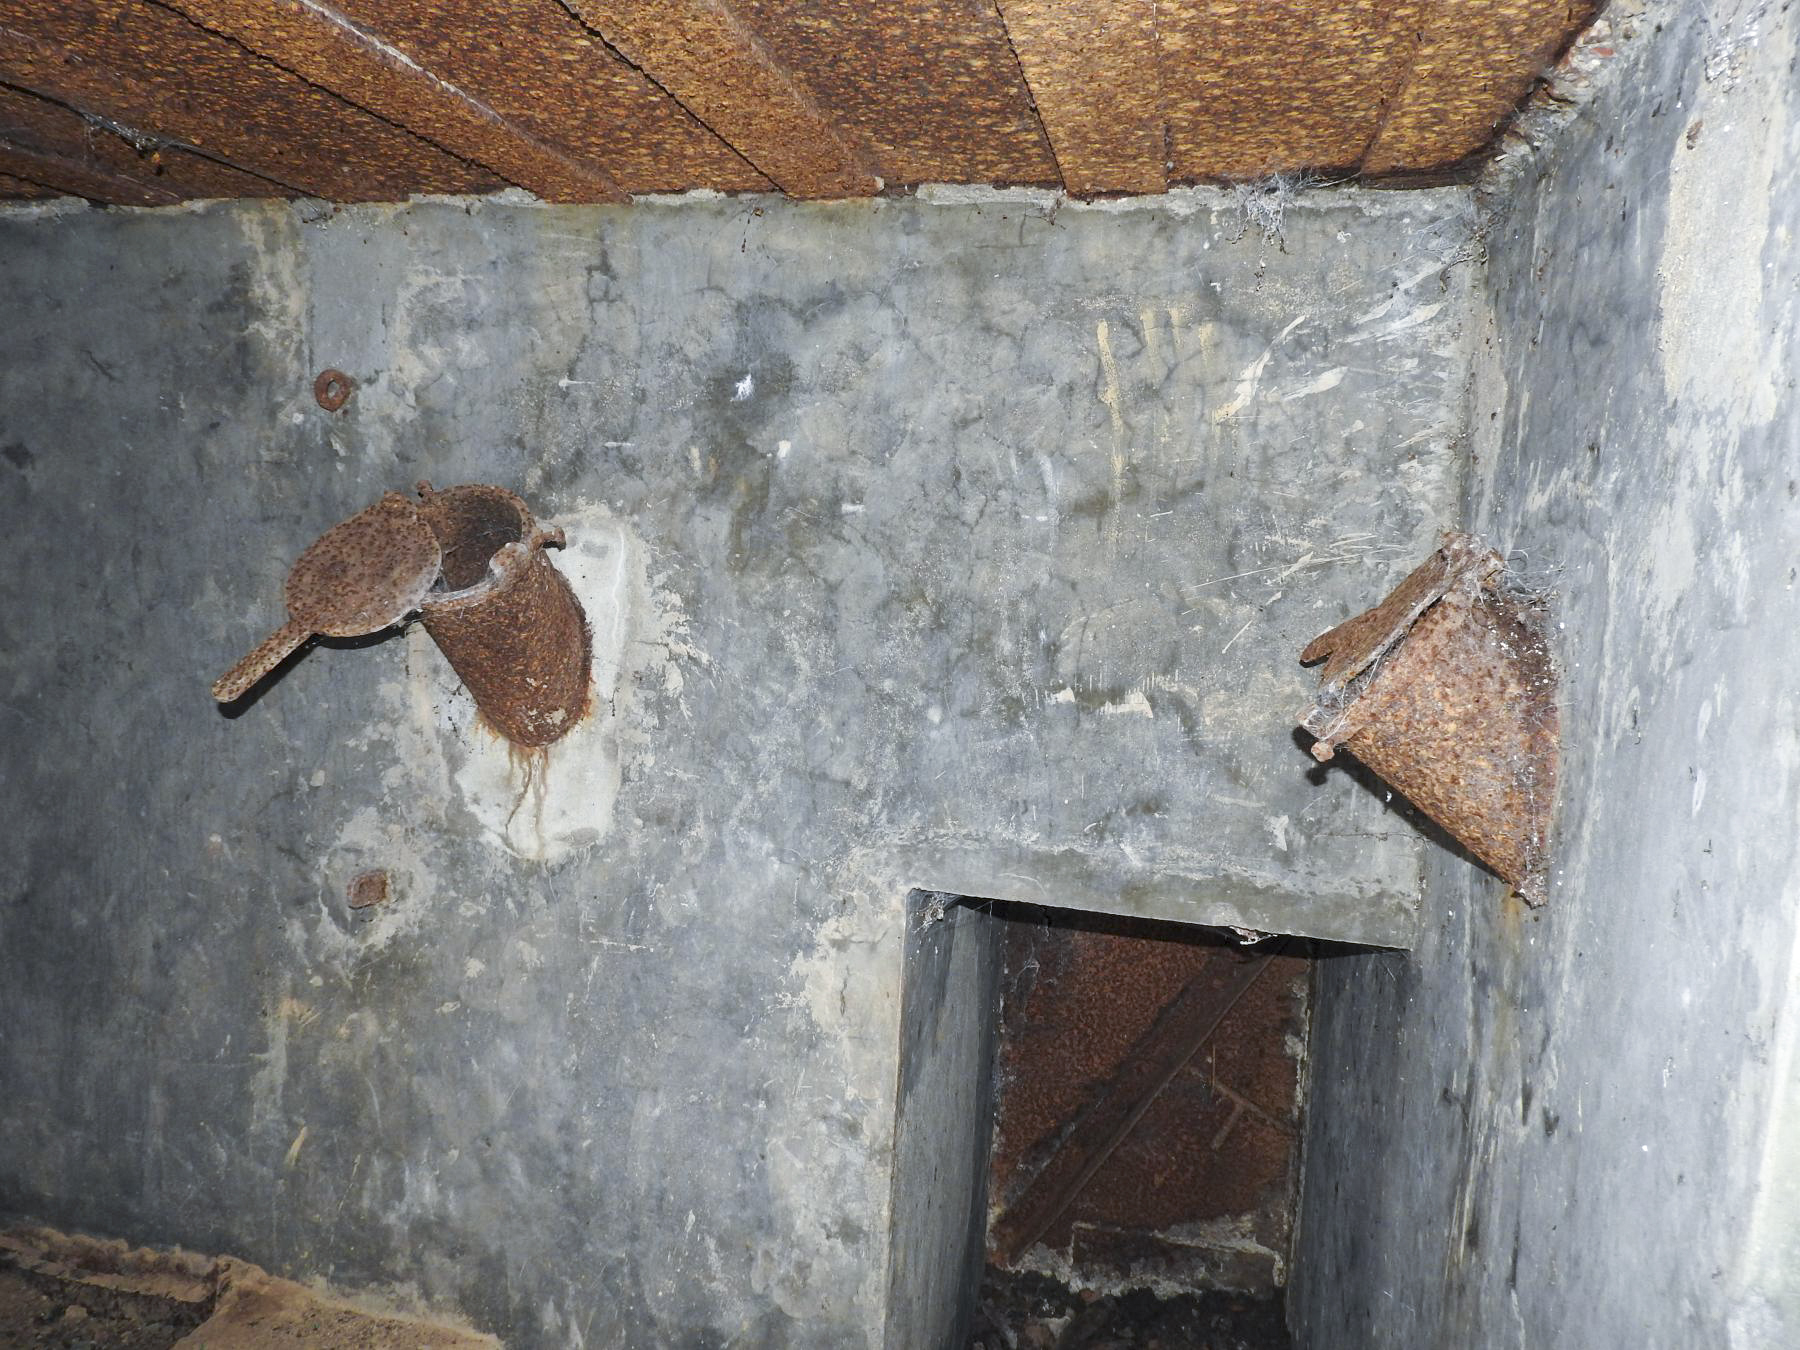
(24, 189)
(539, 66)
(1465, 78)
(595, 100)
(326, 48)
(1068, 49)
(724, 71)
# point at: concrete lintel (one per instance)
(1070, 879)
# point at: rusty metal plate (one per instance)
(106, 162)
(360, 576)
(1448, 691)
(151, 69)
(23, 189)
(596, 98)
(1255, 89)
(1088, 999)
(704, 54)
(931, 86)
(1070, 50)
(71, 178)
(471, 559)
(366, 573)
(1475, 64)
(506, 620)
(556, 76)
(1149, 1087)
(323, 46)
(1354, 645)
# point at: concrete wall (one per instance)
(1581, 1127)
(962, 547)
(944, 1120)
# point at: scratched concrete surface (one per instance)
(960, 545)
(1581, 1127)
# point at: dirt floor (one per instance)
(1033, 1312)
(71, 1293)
(40, 1311)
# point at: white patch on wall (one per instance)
(1277, 827)
(1319, 384)
(278, 297)
(1670, 561)
(1768, 1281)
(1134, 704)
(544, 805)
(1252, 376)
(847, 987)
(1715, 350)
(425, 341)
(270, 1079)
(372, 837)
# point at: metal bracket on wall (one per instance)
(1447, 691)
(471, 561)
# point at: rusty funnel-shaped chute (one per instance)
(1447, 691)
(470, 561)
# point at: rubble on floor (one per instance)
(59, 1292)
(1028, 1311)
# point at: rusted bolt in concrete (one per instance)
(332, 389)
(369, 888)
(1447, 691)
(503, 616)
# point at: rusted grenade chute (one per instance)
(471, 561)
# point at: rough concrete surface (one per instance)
(1580, 1127)
(959, 547)
(944, 1116)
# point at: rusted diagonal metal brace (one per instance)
(1179, 1034)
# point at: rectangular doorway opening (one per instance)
(1098, 1139)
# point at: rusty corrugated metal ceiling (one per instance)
(146, 102)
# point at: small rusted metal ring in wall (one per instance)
(504, 617)
(332, 389)
(369, 888)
